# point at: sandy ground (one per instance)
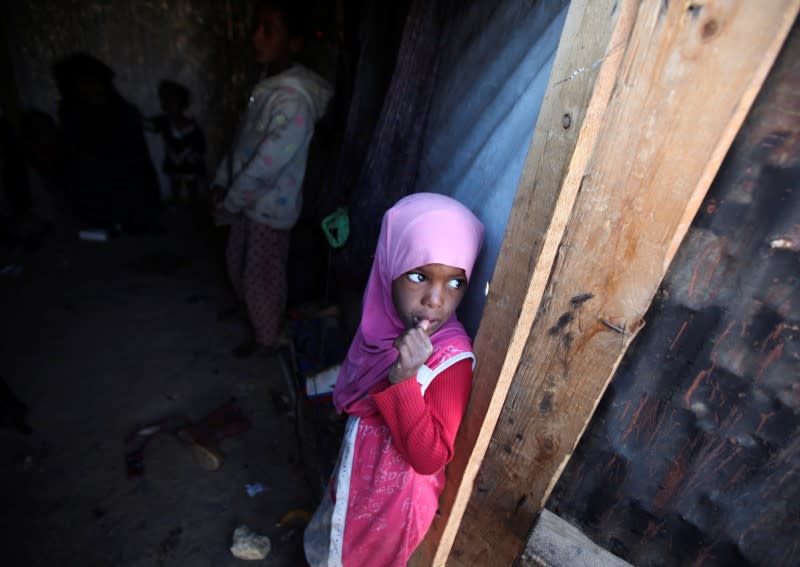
(100, 338)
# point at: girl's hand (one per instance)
(415, 347)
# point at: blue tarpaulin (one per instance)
(494, 72)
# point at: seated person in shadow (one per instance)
(110, 181)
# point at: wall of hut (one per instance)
(693, 456)
(203, 45)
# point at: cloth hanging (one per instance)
(389, 170)
(495, 68)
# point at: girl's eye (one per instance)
(416, 277)
(457, 283)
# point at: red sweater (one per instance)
(423, 428)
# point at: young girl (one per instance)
(184, 143)
(405, 386)
(267, 168)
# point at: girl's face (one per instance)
(431, 292)
(271, 40)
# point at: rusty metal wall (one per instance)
(693, 456)
(203, 44)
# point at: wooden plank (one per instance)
(579, 87)
(689, 74)
(556, 542)
(706, 373)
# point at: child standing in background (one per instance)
(184, 143)
(405, 385)
(267, 167)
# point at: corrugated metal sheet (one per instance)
(693, 457)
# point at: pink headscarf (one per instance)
(423, 228)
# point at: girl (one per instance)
(267, 167)
(184, 143)
(405, 385)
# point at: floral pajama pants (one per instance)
(257, 256)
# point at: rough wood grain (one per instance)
(688, 76)
(554, 541)
(697, 434)
(578, 90)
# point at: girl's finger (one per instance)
(420, 342)
(424, 342)
(404, 351)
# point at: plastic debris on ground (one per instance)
(94, 235)
(319, 348)
(321, 384)
(295, 516)
(253, 489)
(202, 436)
(249, 545)
(11, 270)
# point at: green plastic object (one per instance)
(336, 227)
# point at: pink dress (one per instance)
(378, 508)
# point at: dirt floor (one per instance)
(100, 338)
